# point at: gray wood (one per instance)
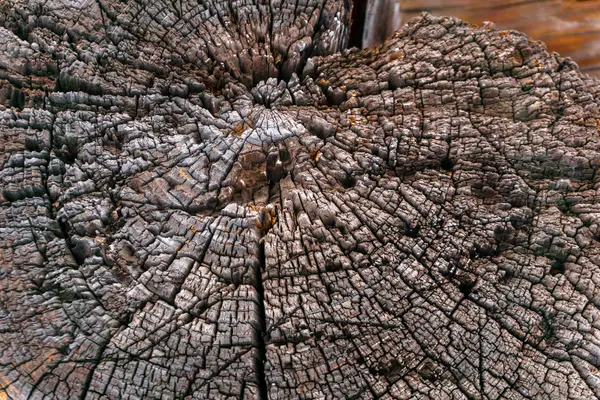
(209, 200)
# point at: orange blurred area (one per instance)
(569, 27)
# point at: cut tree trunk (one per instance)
(219, 200)
(570, 27)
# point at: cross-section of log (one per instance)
(219, 200)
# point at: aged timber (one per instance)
(222, 200)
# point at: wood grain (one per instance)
(220, 200)
(571, 28)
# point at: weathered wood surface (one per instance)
(203, 201)
(570, 27)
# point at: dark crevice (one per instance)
(17, 99)
(466, 287)
(447, 164)
(357, 25)
(76, 250)
(557, 267)
(412, 230)
(348, 181)
(260, 334)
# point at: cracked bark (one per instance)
(210, 201)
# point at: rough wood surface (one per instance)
(202, 200)
(570, 27)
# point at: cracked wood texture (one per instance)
(218, 200)
(570, 27)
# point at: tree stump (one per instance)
(220, 199)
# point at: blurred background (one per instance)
(569, 27)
